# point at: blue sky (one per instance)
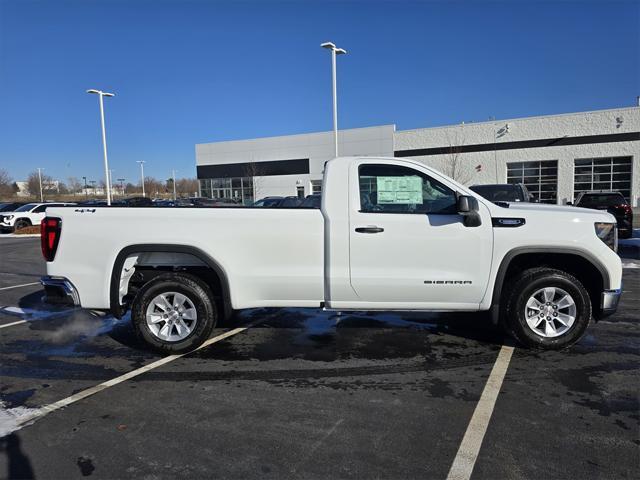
(188, 72)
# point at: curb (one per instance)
(13, 235)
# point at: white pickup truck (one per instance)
(391, 235)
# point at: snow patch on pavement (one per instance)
(12, 419)
(628, 263)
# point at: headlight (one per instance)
(608, 233)
(8, 217)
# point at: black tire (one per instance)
(22, 223)
(523, 287)
(196, 291)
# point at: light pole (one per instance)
(111, 181)
(175, 197)
(101, 94)
(141, 162)
(334, 51)
(40, 181)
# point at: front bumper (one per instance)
(59, 290)
(609, 302)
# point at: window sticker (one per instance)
(399, 190)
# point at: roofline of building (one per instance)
(501, 120)
(393, 125)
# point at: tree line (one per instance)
(185, 187)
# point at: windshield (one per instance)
(602, 200)
(499, 193)
(26, 208)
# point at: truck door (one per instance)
(408, 245)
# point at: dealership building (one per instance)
(555, 156)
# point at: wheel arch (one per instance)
(571, 260)
(116, 272)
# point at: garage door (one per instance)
(540, 178)
(607, 174)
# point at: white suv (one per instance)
(26, 215)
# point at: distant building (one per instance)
(47, 187)
(555, 156)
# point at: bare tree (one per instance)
(6, 184)
(131, 188)
(256, 172)
(154, 187)
(454, 165)
(33, 184)
(74, 185)
(187, 186)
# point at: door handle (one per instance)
(369, 229)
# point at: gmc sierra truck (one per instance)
(391, 234)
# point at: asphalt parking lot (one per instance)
(309, 394)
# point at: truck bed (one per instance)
(271, 257)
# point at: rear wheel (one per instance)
(547, 309)
(22, 223)
(174, 313)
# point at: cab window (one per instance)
(397, 189)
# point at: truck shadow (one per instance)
(317, 335)
(321, 334)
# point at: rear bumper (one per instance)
(609, 302)
(59, 290)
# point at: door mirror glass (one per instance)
(467, 204)
(468, 207)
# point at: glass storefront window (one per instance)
(237, 188)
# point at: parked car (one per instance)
(504, 192)
(215, 202)
(290, 202)
(27, 215)
(268, 202)
(10, 206)
(133, 202)
(394, 235)
(312, 201)
(93, 203)
(164, 203)
(612, 202)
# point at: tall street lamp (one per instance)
(175, 197)
(111, 180)
(334, 51)
(141, 162)
(101, 94)
(40, 181)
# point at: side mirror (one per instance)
(468, 207)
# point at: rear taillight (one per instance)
(49, 237)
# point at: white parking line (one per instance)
(20, 420)
(13, 323)
(470, 447)
(19, 286)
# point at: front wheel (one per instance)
(174, 313)
(547, 309)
